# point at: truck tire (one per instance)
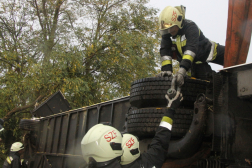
(144, 122)
(150, 92)
(188, 144)
(29, 124)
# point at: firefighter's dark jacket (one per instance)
(15, 161)
(191, 39)
(155, 156)
(113, 164)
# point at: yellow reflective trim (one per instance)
(166, 62)
(178, 42)
(8, 160)
(189, 57)
(183, 43)
(173, 42)
(167, 119)
(198, 62)
(215, 51)
(189, 73)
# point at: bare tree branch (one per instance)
(19, 109)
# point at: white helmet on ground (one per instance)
(17, 146)
(131, 151)
(171, 16)
(102, 143)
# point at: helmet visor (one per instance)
(164, 25)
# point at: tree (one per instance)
(90, 50)
(47, 13)
(118, 41)
(17, 54)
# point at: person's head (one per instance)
(131, 151)
(17, 147)
(101, 145)
(171, 19)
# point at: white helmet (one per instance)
(131, 151)
(171, 16)
(101, 143)
(17, 146)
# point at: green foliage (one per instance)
(119, 45)
(90, 50)
(12, 133)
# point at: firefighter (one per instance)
(155, 156)
(183, 40)
(13, 160)
(101, 147)
(102, 144)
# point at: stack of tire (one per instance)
(147, 98)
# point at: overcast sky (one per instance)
(210, 15)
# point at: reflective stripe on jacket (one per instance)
(190, 46)
(12, 161)
(7, 162)
(155, 156)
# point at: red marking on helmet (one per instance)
(174, 16)
(130, 142)
(110, 135)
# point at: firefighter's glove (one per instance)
(24, 163)
(164, 74)
(180, 77)
(173, 103)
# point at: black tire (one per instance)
(29, 124)
(150, 92)
(144, 122)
